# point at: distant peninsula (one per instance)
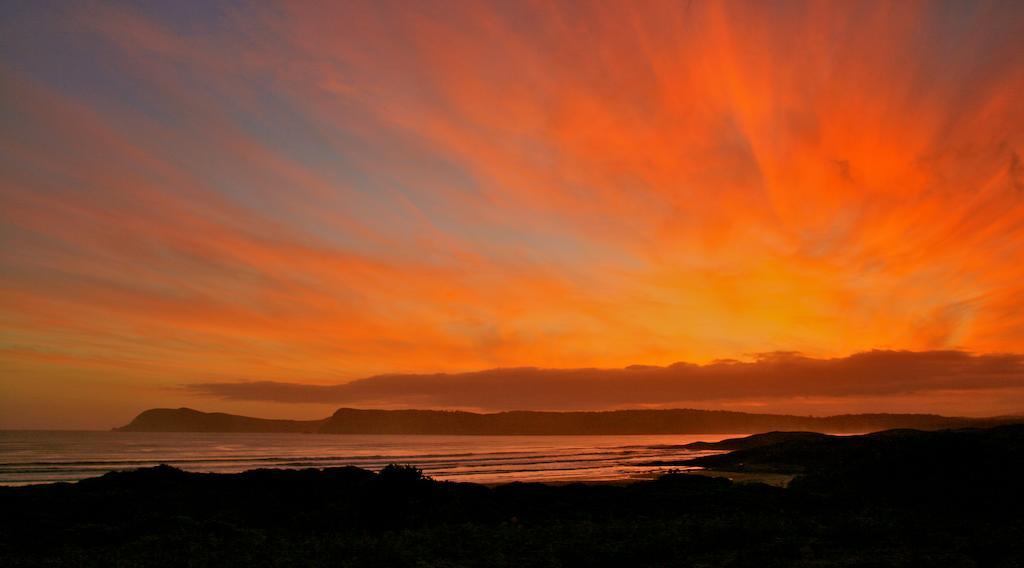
(614, 422)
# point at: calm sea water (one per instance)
(41, 457)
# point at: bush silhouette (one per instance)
(401, 474)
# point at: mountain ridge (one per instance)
(525, 422)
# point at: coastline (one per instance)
(887, 497)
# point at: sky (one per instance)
(277, 208)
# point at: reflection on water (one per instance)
(39, 457)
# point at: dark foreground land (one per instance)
(897, 498)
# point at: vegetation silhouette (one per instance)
(896, 498)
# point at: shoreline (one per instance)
(899, 498)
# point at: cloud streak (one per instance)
(769, 376)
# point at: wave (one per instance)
(53, 457)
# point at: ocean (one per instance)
(28, 457)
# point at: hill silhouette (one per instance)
(672, 421)
(895, 462)
(189, 420)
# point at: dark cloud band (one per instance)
(772, 375)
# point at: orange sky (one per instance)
(215, 193)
